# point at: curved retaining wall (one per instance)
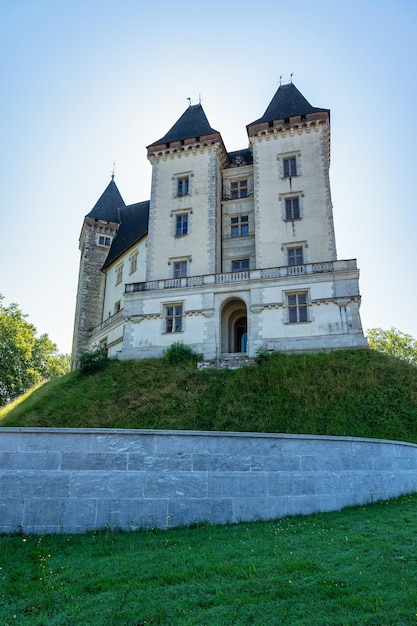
(73, 480)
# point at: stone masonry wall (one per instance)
(73, 480)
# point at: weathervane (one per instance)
(113, 171)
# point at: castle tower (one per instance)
(99, 229)
(184, 223)
(291, 149)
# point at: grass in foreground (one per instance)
(355, 567)
(360, 393)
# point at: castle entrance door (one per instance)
(234, 327)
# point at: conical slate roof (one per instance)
(192, 123)
(287, 102)
(108, 206)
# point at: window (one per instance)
(119, 274)
(290, 167)
(239, 189)
(173, 318)
(292, 208)
(183, 186)
(295, 256)
(181, 225)
(240, 226)
(297, 307)
(180, 269)
(117, 306)
(240, 265)
(133, 261)
(104, 241)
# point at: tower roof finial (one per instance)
(113, 174)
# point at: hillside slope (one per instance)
(359, 393)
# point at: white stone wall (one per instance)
(314, 231)
(198, 247)
(333, 314)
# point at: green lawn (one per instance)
(355, 567)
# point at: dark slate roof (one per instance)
(192, 123)
(109, 205)
(133, 226)
(287, 102)
(240, 157)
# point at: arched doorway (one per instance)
(234, 327)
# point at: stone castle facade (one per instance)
(234, 250)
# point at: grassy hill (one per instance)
(359, 393)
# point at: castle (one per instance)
(234, 251)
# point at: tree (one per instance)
(393, 342)
(25, 360)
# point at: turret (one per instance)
(99, 229)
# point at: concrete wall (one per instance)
(73, 480)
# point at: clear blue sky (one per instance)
(86, 83)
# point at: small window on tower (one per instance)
(181, 225)
(183, 186)
(295, 256)
(103, 240)
(239, 189)
(292, 208)
(180, 269)
(240, 265)
(290, 167)
(239, 226)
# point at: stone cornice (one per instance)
(178, 149)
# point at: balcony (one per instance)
(107, 322)
(243, 276)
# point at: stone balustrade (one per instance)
(232, 277)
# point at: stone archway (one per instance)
(234, 327)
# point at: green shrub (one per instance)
(262, 355)
(94, 361)
(178, 352)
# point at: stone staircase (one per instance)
(227, 361)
